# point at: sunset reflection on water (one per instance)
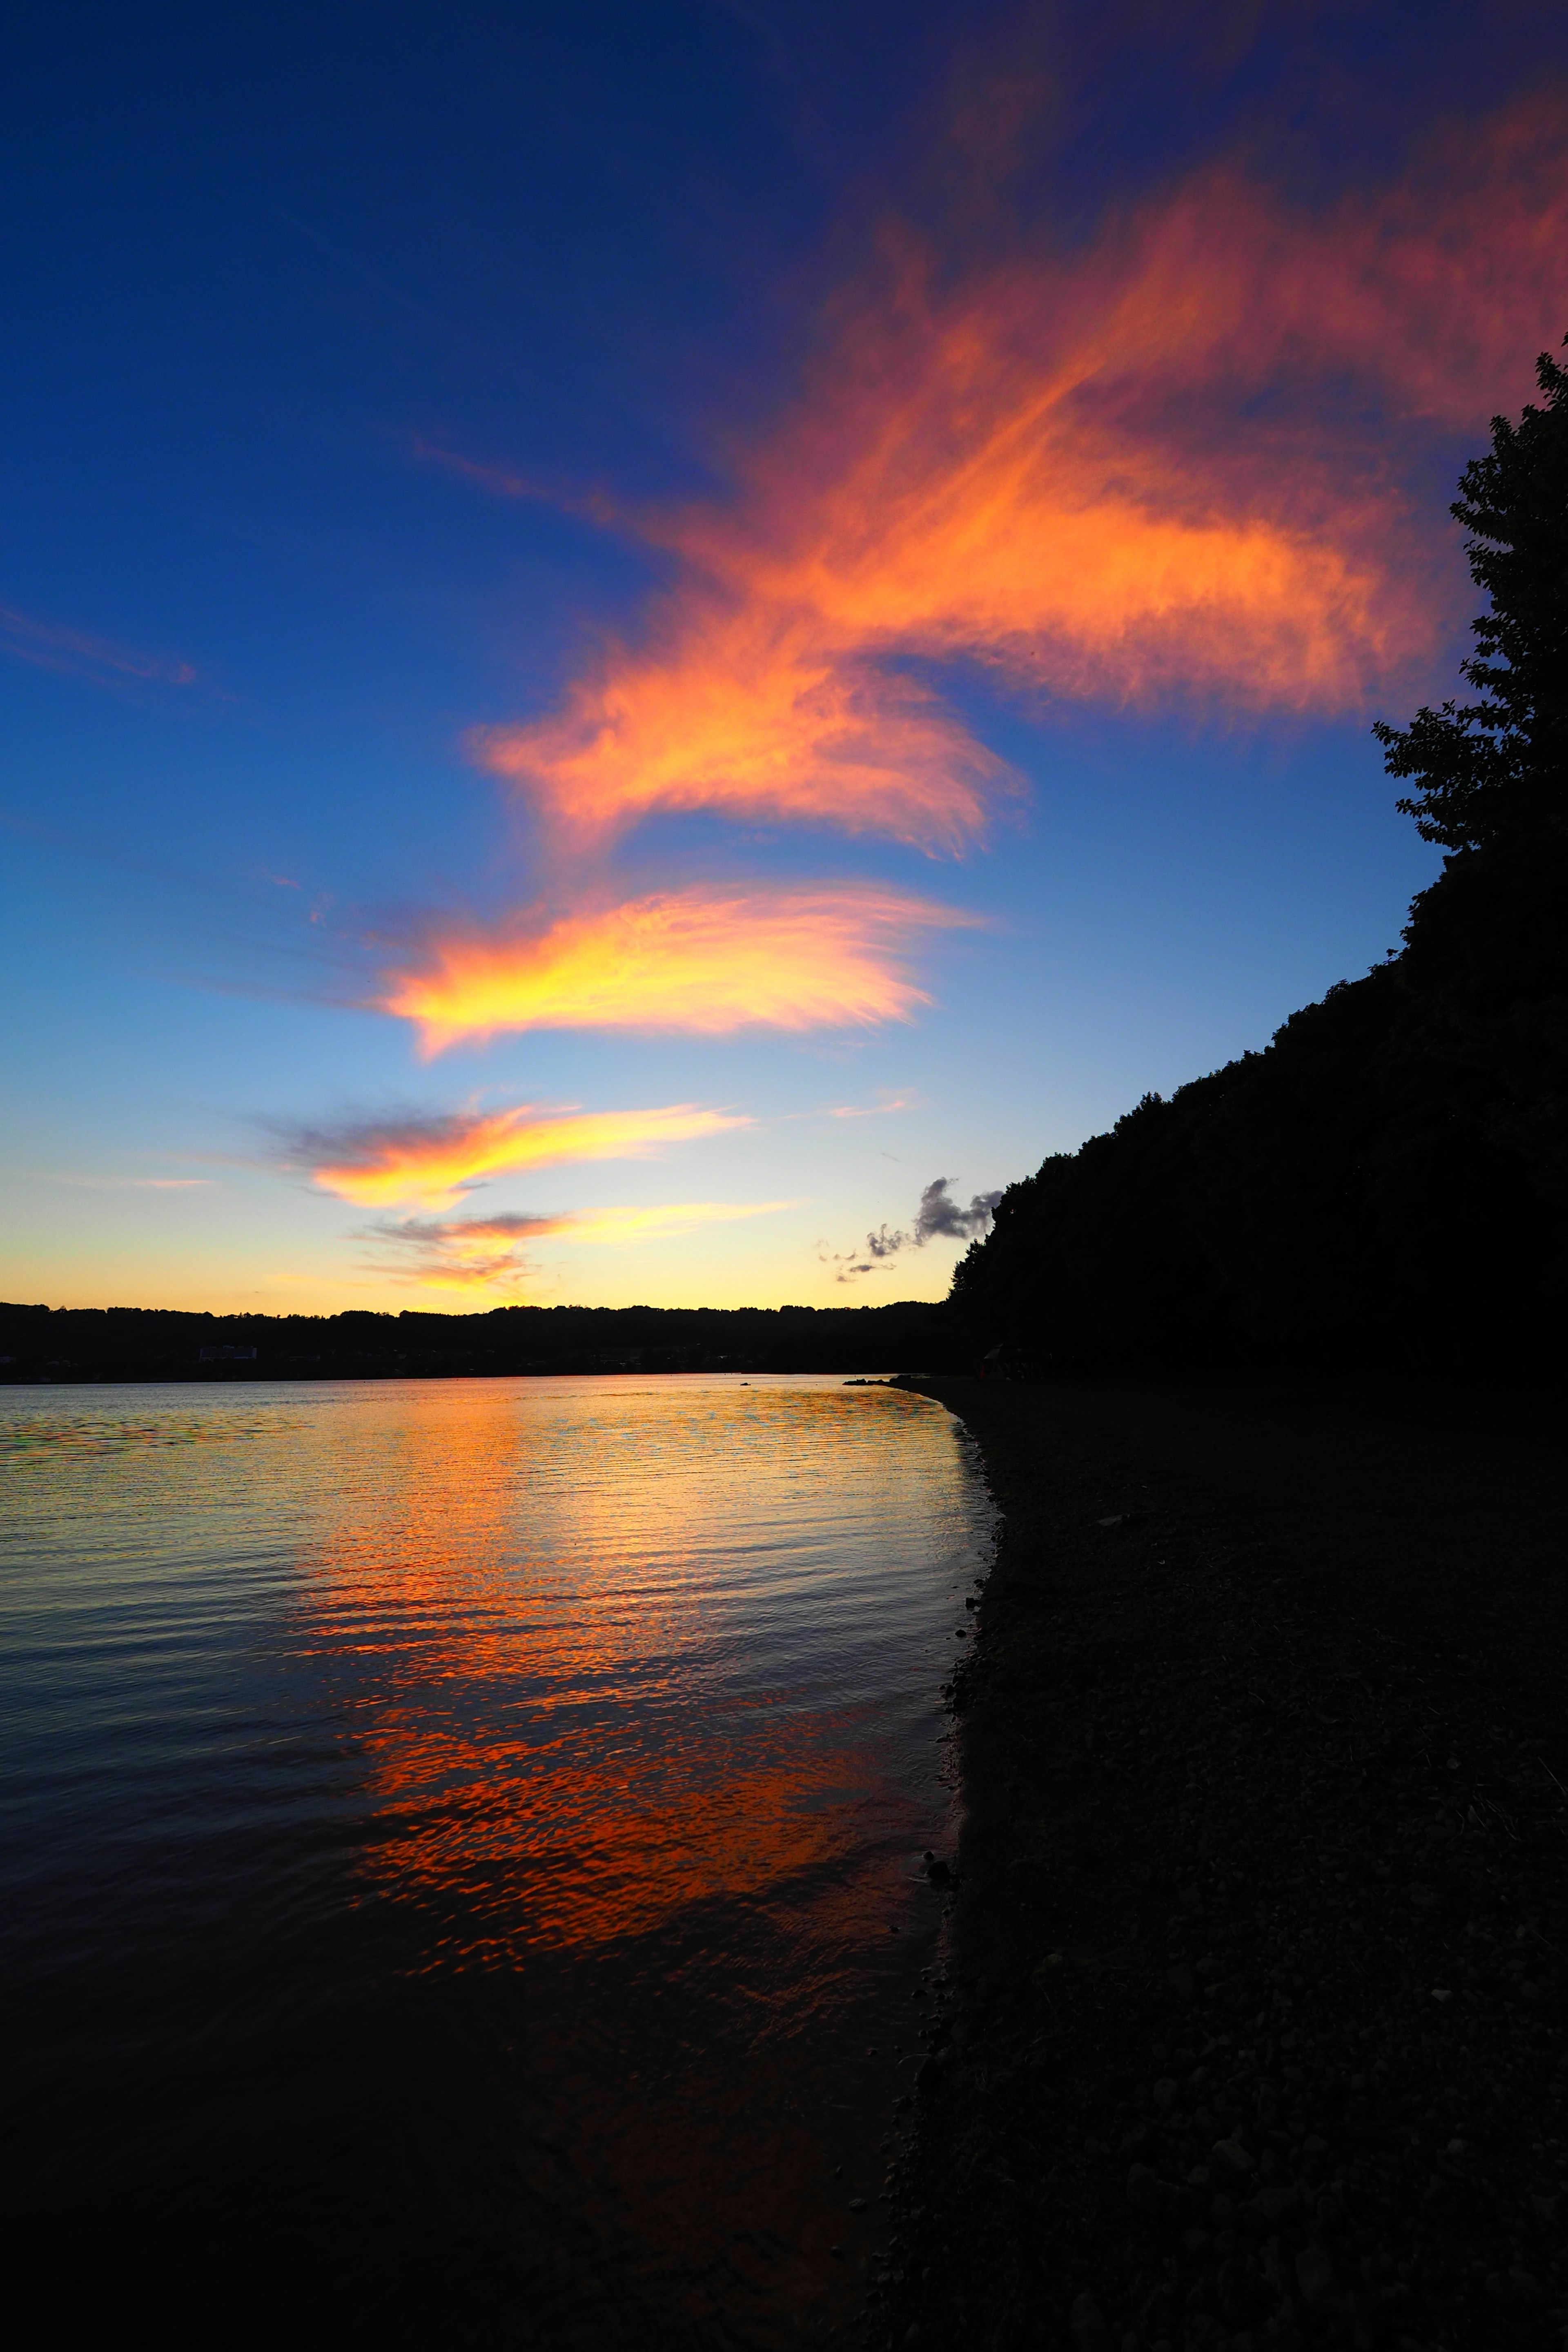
(664, 1563)
(598, 1714)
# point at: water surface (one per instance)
(453, 1838)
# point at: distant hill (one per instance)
(135, 1343)
(1388, 1184)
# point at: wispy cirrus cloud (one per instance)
(502, 482)
(1167, 465)
(491, 1253)
(49, 645)
(459, 1253)
(886, 1103)
(431, 1156)
(135, 1183)
(704, 960)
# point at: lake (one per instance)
(462, 1847)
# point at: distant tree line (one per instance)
(1387, 1184)
(134, 1343)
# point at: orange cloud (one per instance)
(491, 1253)
(1168, 463)
(756, 708)
(701, 960)
(461, 1252)
(376, 1162)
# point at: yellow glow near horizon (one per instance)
(467, 1254)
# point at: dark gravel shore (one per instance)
(1251, 2029)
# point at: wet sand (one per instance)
(1256, 2030)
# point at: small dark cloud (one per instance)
(364, 1142)
(939, 1217)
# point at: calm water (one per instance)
(452, 1838)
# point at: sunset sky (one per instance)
(629, 633)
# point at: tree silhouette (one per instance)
(1387, 1184)
(1492, 768)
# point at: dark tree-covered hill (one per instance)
(132, 1343)
(1388, 1184)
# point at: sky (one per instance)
(645, 650)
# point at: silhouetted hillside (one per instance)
(1388, 1181)
(127, 1343)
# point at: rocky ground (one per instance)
(1250, 2033)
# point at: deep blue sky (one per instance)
(275, 278)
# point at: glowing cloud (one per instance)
(461, 1252)
(701, 960)
(1169, 465)
(759, 709)
(485, 1253)
(429, 1159)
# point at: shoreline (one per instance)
(525, 1372)
(1254, 2029)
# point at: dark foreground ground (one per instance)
(1252, 2030)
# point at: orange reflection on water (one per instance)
(559, 1972)
(540, 1615)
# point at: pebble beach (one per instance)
(1250, 2031)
